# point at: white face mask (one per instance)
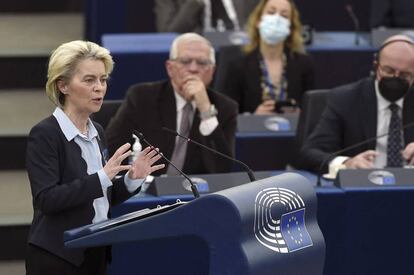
(274, 28)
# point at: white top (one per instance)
(92, 155)
(207, 126)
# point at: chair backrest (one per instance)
(226, 55)
(313, 104)
(108, 110)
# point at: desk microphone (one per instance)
(193, 187)
(355, 21)
(318, 181)
(247, 168)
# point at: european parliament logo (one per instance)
(382, 177)
(279, 222)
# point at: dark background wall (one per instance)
(331, 15)
(123, 16)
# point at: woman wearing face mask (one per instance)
(274, 70)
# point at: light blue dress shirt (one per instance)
(91, 153)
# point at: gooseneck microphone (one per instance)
(193, 187)
(247, 168)
(355, 21)
(356, 145)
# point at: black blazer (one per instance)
(243, 76)
(63, 192)
(149, 107)
(392, 13)
(187, 15)
(350, 117)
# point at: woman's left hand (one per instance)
(143, 165)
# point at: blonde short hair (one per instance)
(188, 37)
(63, 62)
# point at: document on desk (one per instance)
(136, 215)
(140, 214)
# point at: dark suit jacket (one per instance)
(243, 76)
(149, 107)
(63, 192)
(187, 15)
(392, 13)
(350, 117)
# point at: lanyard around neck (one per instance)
(270, 91)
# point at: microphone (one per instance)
(247, 168)
(355, 21)
(193, 187)
(318, 181)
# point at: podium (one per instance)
(265, 227)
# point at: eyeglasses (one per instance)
(186, 61)
(388, 71)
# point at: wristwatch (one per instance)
(212, 111)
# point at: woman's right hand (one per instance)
(114, 164)
(266, 108)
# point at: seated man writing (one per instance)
(365, 109)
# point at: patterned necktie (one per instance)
(180, 149)
(394, 148)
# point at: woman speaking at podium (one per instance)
(72, 180)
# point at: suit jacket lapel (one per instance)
(253, 77)
(368, 106)
(408, 117)
(168, 113)
(104, 159)
(239, 9)
(104, 151)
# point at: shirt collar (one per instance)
(383, 104)
(180, 102)
(69, 129)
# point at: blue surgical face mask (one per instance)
(274, 28)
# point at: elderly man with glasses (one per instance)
(185, 104)
(380, 106)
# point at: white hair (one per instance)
(187, 37)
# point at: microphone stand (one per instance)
(247, 168)
(355, 21)
(192, 185)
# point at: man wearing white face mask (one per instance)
(275, 70)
